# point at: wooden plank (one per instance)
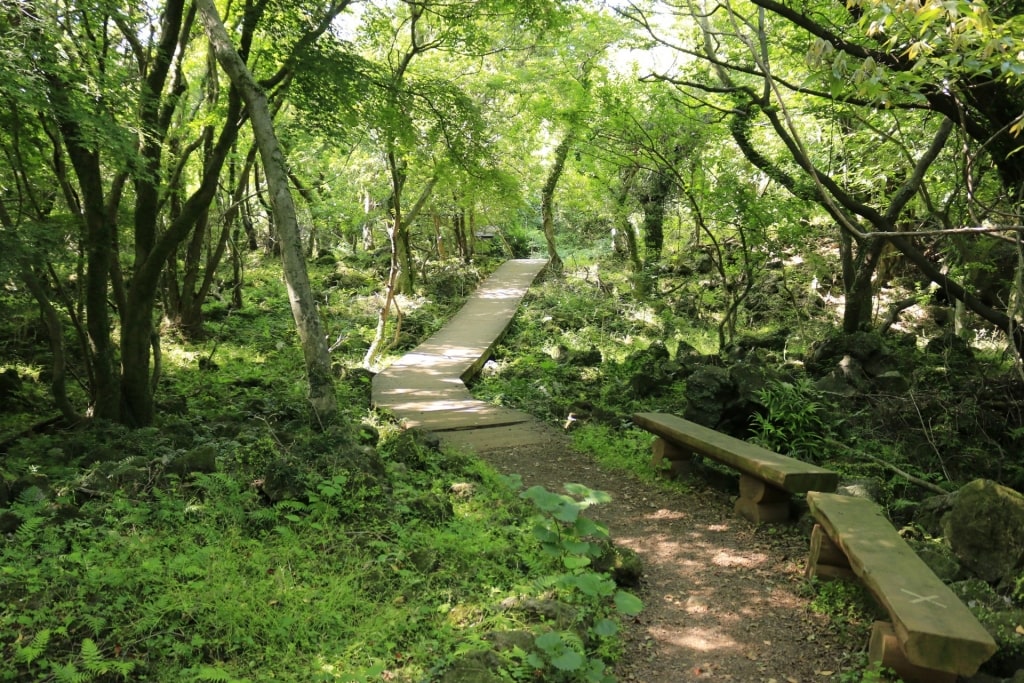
(457, 351)
(762, 513)
(884, 649)
(758, 491)
(826, 560)
(934, 628)
(824, 551)
(779, 470)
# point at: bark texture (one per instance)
(307, 319)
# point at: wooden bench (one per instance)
(932, 636)
(767, 480)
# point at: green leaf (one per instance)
(548, 641)
(569, 660)
(551, 549)
(546, 500)
(512, 481)
(588, 527)
(590, 496)
(568, 512)
(591, 584)
(605, 628)
(577, 547)
(628, 603)
(573, 562)
(545, 535)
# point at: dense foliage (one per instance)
(829, 193)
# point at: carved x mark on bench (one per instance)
(933, 599)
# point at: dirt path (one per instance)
(723, 598)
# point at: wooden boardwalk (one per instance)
(426, 388)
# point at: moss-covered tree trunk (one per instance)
(547, 199)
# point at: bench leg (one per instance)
(885, 650)
(761, 502)
(826, 561)
(680, 460)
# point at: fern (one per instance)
(33, 495)
(34, 649)
(95, 622)
(69, 673)
(212, 673)
(29, 528)
(122, 668)
(92, 658)
(217, 484)
(289, 504)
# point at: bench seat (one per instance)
(767, 479)
(933, 637)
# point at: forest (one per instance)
(795, 221)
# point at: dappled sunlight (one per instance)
(499, 293)
(666, 514)
(725, 558)
(426, 387)
(713, 585)
(699, 639)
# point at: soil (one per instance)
(724, 600)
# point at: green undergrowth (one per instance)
(203, 579)
(236, 539)
(626, 450)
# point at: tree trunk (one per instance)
(547, 199)
(314, 346)
(54, 329)
(439, 247)
(654, 199)
(99, 236)
(55, 332)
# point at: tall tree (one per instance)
(759, 73)
(322, 396)
(107, 85)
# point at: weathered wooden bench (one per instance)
(768, 480)
(932, 636)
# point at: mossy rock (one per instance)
(431, 508)
(130, 474)
(985, 528)
(474, 667)
(425, 560)
(862, 346)
(9, 522)
(544, 611)
(416, 449)
(503, 641)
(281, 481)
(940, 560)
(368, 435)
(709, 391)
(200, 459)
